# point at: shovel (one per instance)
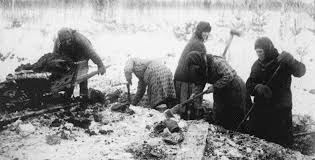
(169, 113)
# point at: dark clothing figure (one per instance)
(78, 48)
(229, 90)
(183, 87)
(271, 118)
(196, 43)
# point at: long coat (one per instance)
(230, 97)
(272, 118)
(183, 88)
(194, 44)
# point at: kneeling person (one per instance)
(229, 91)
(154, 76)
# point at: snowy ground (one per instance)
(125, 130)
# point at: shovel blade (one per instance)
(168, 114)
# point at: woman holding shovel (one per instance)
(229, 90)
(156, 77)
(269, 82)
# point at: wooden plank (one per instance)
(194, 143)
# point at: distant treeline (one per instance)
(141, 4)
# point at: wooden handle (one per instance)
(192, 99)
(128, 92)
(87, 76)
(227, 46)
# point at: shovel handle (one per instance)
(128, 92)
(192, 99)
(245, 118)
(170, 112)
(227, 46)
(273, 75)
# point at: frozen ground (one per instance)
(123, 130)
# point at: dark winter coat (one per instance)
(79, 49)
(280, 85)
(271, 119)
(230, 97)
(183, 88)
(215, 71)
(195, 44)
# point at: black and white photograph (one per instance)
(157, 79)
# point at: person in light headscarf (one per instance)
(156, 77)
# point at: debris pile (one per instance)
(169, 130)
(147, 151)
(116, 129)
(224, 144)
(304, 137)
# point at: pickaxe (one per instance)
(232, 33)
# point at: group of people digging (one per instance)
(269, 82)
(268, 117)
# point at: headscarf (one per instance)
(267, 46)
(202, 27)
(64, 35)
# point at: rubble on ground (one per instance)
(103, 131)
(304, 143)
(224, 144)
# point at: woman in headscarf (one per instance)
(184, 88)
(271, 87)
(230, 99)
(156, 77)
